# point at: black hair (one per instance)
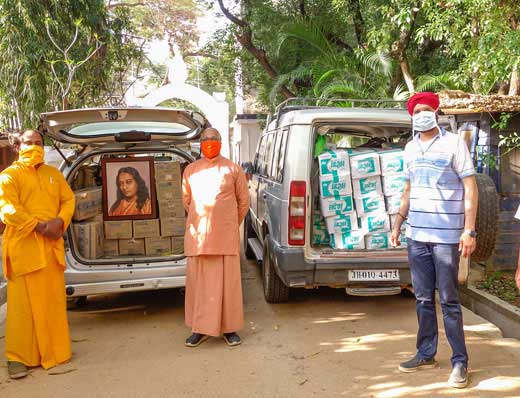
(142, 189)
(15, 138)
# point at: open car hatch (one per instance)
(105, 125)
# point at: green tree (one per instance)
(28, 85)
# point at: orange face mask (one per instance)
(210, 149)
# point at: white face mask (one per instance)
(424, 121)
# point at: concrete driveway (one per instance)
(322, 343)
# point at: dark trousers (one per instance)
(436, 265)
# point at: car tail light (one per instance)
(297, 211)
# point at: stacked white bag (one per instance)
(337, 204)
(369, 199)
(362, 183)
(392, 170)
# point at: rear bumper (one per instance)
(86, 289)
(295, 270)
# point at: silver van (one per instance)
(162, 133)
(283, 182)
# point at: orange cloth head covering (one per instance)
(425, 98)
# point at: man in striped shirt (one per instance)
(440, 203)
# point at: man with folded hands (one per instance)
(36, 205)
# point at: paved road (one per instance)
(323, 343)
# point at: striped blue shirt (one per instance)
(435, 170)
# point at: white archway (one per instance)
(214, 107)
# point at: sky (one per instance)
(208, 23)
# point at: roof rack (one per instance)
(299, 103)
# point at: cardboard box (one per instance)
(373, 222)
(393, 217)
(342, 223)
(89, 238)
(370, 204)
(146, 228)
(88, 203)
(174, 226)
(111, 248)
(118, 229)
(393, 203)
(177, 244)
(378, 241)
(168, 190)
(334, 186)
(364, 165)
(167, 171)
(131, 247)
(158, 246)
(393, 184)
(354, 240)
(367, 186)
(392, 162)
(334, 163)
(332, 206)
(171, 208)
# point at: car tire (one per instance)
(249, 233)
(487, 218)
(275, 290)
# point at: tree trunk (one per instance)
(246, 40)
(514, 88)
(359, 23)
(407, 75)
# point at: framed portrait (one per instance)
(128, 188)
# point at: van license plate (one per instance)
(373, 275)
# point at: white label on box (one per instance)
(375, 222)
(334, 162)
(332, 206)
(365, 165)
(342, 223)
(335, 186)
(367, 186)
(391, 162)
(370, 204)
(393, 203)
(393, 184)
(380, 240)
(347, 241)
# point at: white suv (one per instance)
(285, 202)
(162, 133)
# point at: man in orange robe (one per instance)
(36, 204)
(216, 197)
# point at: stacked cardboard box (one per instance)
(131, 247)
(172, 223)
(88, 203)
(89, 238)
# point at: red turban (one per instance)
(425, 98)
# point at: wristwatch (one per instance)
(471, 233)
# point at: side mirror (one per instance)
(248, 169)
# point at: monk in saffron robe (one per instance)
(133, 196)
(36, 204)
(216, 197)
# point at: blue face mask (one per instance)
(424, 121)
